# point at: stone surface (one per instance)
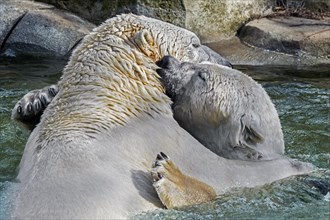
(240, 54)
(210, 19)
(97, 11)
(9, 17)
(12, 11)
(213, 20)
(291, 35)
(172, 11)
(317, 5)
(30, 28)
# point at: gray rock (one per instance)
(239, 53)
(97, 11)
(38, 29)
(210, 19)
(296, 36)
(9, 16)
(214, 20)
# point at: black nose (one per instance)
(167, 62)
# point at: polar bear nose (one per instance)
(168, 62)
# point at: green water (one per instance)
(302, 98)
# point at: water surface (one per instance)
(301, 96)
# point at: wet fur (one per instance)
(89, 155)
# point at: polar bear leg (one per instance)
(176, 189)
(29, 109)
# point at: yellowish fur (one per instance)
(177, 189)
(113, 76)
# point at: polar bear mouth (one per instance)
(168, 65)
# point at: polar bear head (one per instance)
(116, 64)
(156, 39)
(194, 88)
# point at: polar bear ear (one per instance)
(145, 42)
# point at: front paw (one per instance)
(31, 106)
(174, 188)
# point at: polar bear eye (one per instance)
(202, 76)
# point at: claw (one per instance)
(164, 155)
(43, 100)
(157, 164)
(29, 107)
(38, 105)
(19, 109)
(52, 91)
(159, 157)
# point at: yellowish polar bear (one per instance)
(90, 156)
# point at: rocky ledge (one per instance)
(279, 41)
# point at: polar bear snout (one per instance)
(172, 78)
(168, 62)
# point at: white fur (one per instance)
(226, 110)
(90, 156)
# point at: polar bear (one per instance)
(226, 110)
(90, 155)
(147, 32)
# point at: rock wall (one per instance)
(210, 19)
(97, 11)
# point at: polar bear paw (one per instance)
(29, 109)
(176, 189)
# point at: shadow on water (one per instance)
(301, 96)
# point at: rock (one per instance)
(214, 20)
(296, 36)
(172, 11)
(31, 28)
(97, 11)
(317, 5)
(28, 27)
(240, 54)
(210, 19)
(12, 13)
(9, 16)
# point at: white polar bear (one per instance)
(226, 110)
(90, 155)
